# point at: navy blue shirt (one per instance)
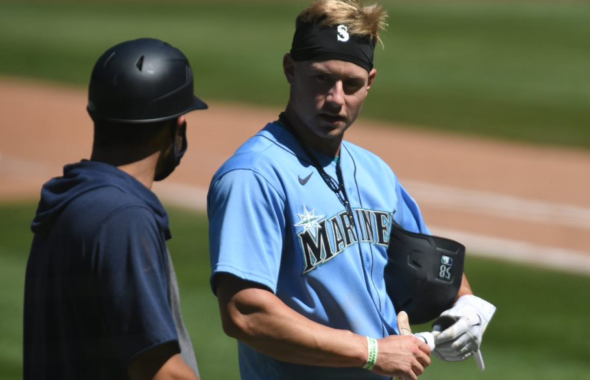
(96, 290)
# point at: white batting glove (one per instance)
(459, 331)
(427, 337)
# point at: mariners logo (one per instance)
(309, 221)
(323, 238)
(446, 264)
(343, 35)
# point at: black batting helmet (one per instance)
(141, 81)
(423, 274)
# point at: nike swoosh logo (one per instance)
(303, 181)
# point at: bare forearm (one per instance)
(465, 288)
(276, 330)
(161, 363)
(255, 316)
(175, 369)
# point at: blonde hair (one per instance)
(362, 20)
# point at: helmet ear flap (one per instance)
(423, 273)
(142, 81)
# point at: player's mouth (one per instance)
(332, 119)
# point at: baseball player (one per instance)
(101, 297)
(300, 222)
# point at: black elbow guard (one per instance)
(423, 274)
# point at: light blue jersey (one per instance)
(274, 221)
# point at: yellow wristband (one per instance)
(373, 349)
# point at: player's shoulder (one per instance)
(371, 164)
(107, 205)
(263, 153)
(108, 198)
(365, 156)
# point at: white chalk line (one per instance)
(194, 198)
(181, 195)
(479, 202)
(498, 205)
(519, 251)
(22, 167)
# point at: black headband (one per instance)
(318, 42)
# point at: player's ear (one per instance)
(289, 68)
(180, 132)
(371, 80)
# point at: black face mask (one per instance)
(171, 161)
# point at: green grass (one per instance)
(506, 70)
(539, 331)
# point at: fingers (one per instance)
(424, 354)
(457, 342)
(463, 345)
(466, 342)
(456, 351)
(403, 356)
(419, 365)
(403, 322)
(411, 375)
(452, 357)
(421, 354)
(451, 333)
(405, 377)
(418, 368)
(428, 338)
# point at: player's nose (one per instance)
(335, 95)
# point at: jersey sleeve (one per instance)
(409, 215)
(246, 228)
(132, 274)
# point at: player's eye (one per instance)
(353, 85)
(322, 78)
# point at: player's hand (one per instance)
(403, 322)
(459, 331)
(402, 356)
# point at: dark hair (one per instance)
(109, 134)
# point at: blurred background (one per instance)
(504, 85)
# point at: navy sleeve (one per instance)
(132, 271)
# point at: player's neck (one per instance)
(142, 170)
(329, 148)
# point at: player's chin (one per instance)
(333, 126)
(331, 133)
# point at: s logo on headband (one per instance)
(343, 33)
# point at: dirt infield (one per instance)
(505, 199)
